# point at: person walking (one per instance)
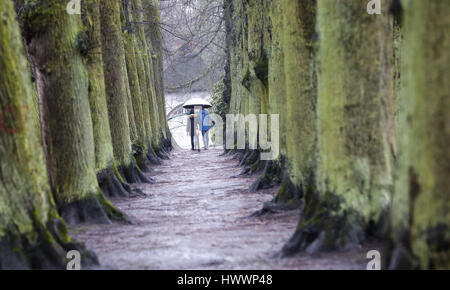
(206, 126)
(193, 129)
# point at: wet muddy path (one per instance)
(194, 217)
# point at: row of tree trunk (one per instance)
(82, 116)
(363, 104)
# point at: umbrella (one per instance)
(197, 102)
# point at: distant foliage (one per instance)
(219, 106)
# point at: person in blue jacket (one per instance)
(206, 126)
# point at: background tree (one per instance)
(151, 79)
(299, 22)
(116, 90)
(193, 43)
(92, 52)
(131, 53)
(142, 65)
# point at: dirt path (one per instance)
(194, 218)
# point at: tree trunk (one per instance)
(420, 219)
(116, 90)
(104, 157)
(130, 45)
(257, 58)
(125, 26)
(56, 45)
(355, 129)
(32, 235)
(153, 101)
(295, 93)
(276, 170)
(142, 59)
(157, 48)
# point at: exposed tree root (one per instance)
(161, 153)
(141, 158)
(289, 193)
(400, 258)
(167, 145)
(145, 166)
(250, 159)
(111, 186)
(153, 158)
(95, 208)
(226, 152)
(244, 157)
(398, 255)
(132, 192)
(252, 163)
(238, 154)
(269, 178)
(289, 196)
(45, 249)
(133, 174)
(271, 207)
(249, 155)
(323, 227)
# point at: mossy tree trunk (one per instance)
(295, 91)
(248, 45)
(116, 90)
(132, 57)
(239, 71)
(92, 52)
(55, 41)
(156, 39)
(148, 63)
(32, 235)
(258, 64)
(275, 169)
(354, 177)
(126, 40)
(228, 22)
(292, 93)
(420, 219)
(141, 61)
(237, 52)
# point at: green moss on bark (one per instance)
(155, 35)
(104, 156)
(96, 86)
(153, 104)
(355, 111)
(420, 208)
(116, 88)
(62, 82)
(301, 91)
(32, 235)
(130, 45)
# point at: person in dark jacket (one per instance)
(193, 129)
